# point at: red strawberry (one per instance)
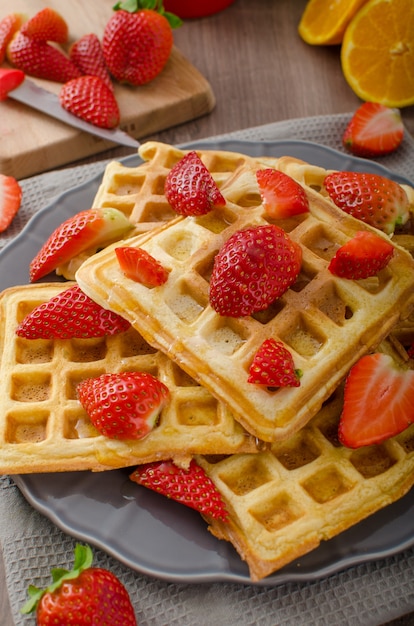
(40, 59)
(9, 25)
(190, 189)
(378, 401)
(140, 266)
(371, 198)
(9, 80)
(281, 195)
(363, 256)
(191, 486)
(253, 268)
(90, 98)
(124, 405)
(137, 42)
(84, 596)
(84, 230)
(273, 366)
(70, 314)
(374, 130)
(46, 25)
(10, 200)
(87, 55)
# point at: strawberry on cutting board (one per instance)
(91, 99)
(87, 55)
(363, 256)
(140, 266)
(273, 366)
(282, 196)
(378, 401)
(46, 25)
(9, 80)
(374, 130)
(123, 405)
(9, 25)
(191, 487)
(83, 596)
(10, 200)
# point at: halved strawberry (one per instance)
(10, 200)
(191, 486)
(123, 405)
(46, 25)
(282, 196)
(273, 366)
(378, 401)
(87, 55)
(190, 189)
(84, 230)
(68, 315)
(374, 130)
(9, 25)
(140, 266)
(9, 80)
(90, 98)
(363, 256)
(371, 198)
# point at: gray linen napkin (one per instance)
(368, 594)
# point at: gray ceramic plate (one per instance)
(147, 532)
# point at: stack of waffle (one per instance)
(273, 454)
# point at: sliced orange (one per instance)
(377, 52)
(324, 21)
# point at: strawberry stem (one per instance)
(133, 6)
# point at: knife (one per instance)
(47, 102)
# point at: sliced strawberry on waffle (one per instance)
(140, 266)
(282, 196)
(273, 366)
(363, 256)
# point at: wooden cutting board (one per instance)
(32, 142)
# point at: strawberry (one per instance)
(371, 198)
(273, 366)
(374, 130)
(9, 80)
(40, 59)
(9, 25)
(191, 486)
(90, 98)
(46, 25)
(190, 189)
(10, 200)
(89, 228)
(70, 314)
(83, 596)
(86, 53)
(125, 405)
(282, 196)
(363, 256)
(140, 266)
(137, 41)
(253, 268)
(378, 401)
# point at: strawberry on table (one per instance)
(190, 189)
(9, 80)
(83, 596)
(10, 200)
(374, 130)
(85, 230)
(9, 25)
(253, 268)
(282, 196)
(90, 98)
(273, 366)
(371, 198)
(87, 55)
(140, 266)
(378, 401)
(191, 486)
(46, 25)
(123, 405)
(68, 315)
(363, 256)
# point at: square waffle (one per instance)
(326, 322)
(43, 425)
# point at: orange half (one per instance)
(324, 22)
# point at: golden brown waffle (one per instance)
(326, 322)
(45, 429)
(284, 502)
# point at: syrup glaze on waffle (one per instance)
(326, 322)
(44, 427)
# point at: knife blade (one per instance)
(47, 102)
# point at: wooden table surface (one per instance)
(260, 72)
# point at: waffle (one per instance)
(285, 501)
(326, 322)
(45, 429)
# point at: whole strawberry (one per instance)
(137, 41)
(253, 268)
(84, 596)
